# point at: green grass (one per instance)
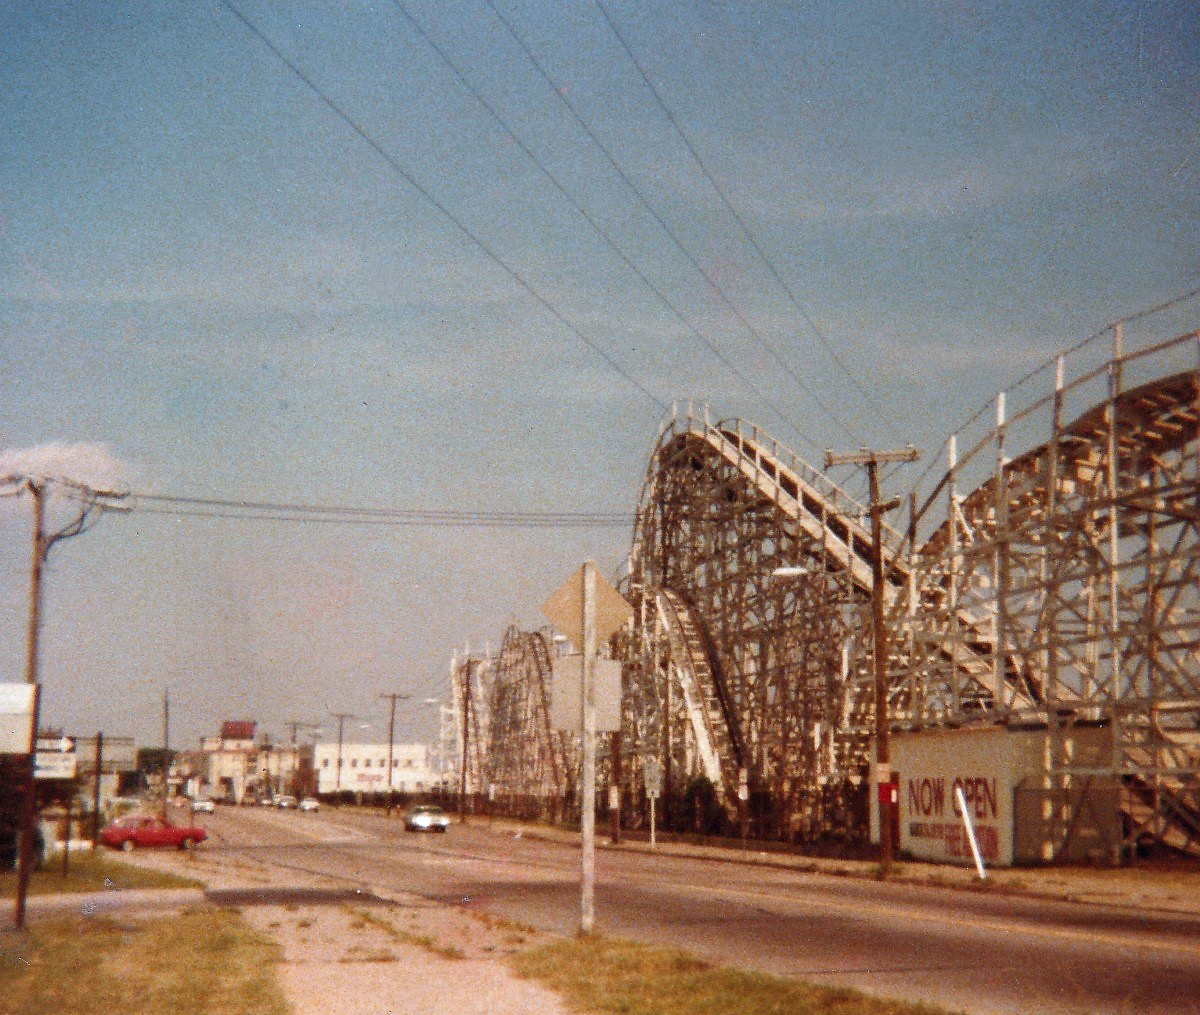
(598, 974)
(202, 961)
(90, 872)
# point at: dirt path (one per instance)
(399, 954)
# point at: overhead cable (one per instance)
(441, 207)
(561, 94)
(596, 227)
(687, 142)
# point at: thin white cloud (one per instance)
(92, 464)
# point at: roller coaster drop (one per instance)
(1062, 589)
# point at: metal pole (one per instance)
(587, 803)
(614, 789)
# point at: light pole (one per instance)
(883, 768)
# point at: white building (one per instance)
(364, 768)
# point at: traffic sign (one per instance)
(16, 718)
(564, 609)
(652, 775)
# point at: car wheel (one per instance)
(127, 846)
(187, 843)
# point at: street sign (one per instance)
(652, 775)
(55, 758)
(54, 765)
(566, 713)
(564, 609)
(16, 718)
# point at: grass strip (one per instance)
(91, 871)
(203, 961)
(599, 974)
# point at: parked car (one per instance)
(144, 830)
(285, 802)
(426, 818)
(310, 803)
(204, 805)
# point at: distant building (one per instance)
(231, 760)
(364, 768)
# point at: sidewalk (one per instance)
(1150, 887)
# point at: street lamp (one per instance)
(790, 572)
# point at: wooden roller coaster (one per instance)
(1047, 577)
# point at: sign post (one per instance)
(587, 609)
(652, 774)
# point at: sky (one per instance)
(466, 256)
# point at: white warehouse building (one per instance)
(364, 768)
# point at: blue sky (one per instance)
(211, 272)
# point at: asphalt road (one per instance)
(980, 953)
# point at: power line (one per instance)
(276, 511)
(692, 150)
(560, 94)
(596, 227)
(434, 202)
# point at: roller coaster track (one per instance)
(1060, 591)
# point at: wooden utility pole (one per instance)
(883, 768)
(466, 728)
(166, 749)
(391, 738)
(96, 793)
(42, 542)
(341, 717)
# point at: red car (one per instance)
(149, 830)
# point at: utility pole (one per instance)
(883, 768)
(391, 738)
(294, 725)
(466, 728)
(341, 717)
(96, 792)
(166, 749)
(88, 501)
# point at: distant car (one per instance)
(204, 805)
(426, 818)
(146, 830)
(285, 802)
(266, 801)
(310, 803)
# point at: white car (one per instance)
(310, 803)
(426, 818)
(204, 805)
